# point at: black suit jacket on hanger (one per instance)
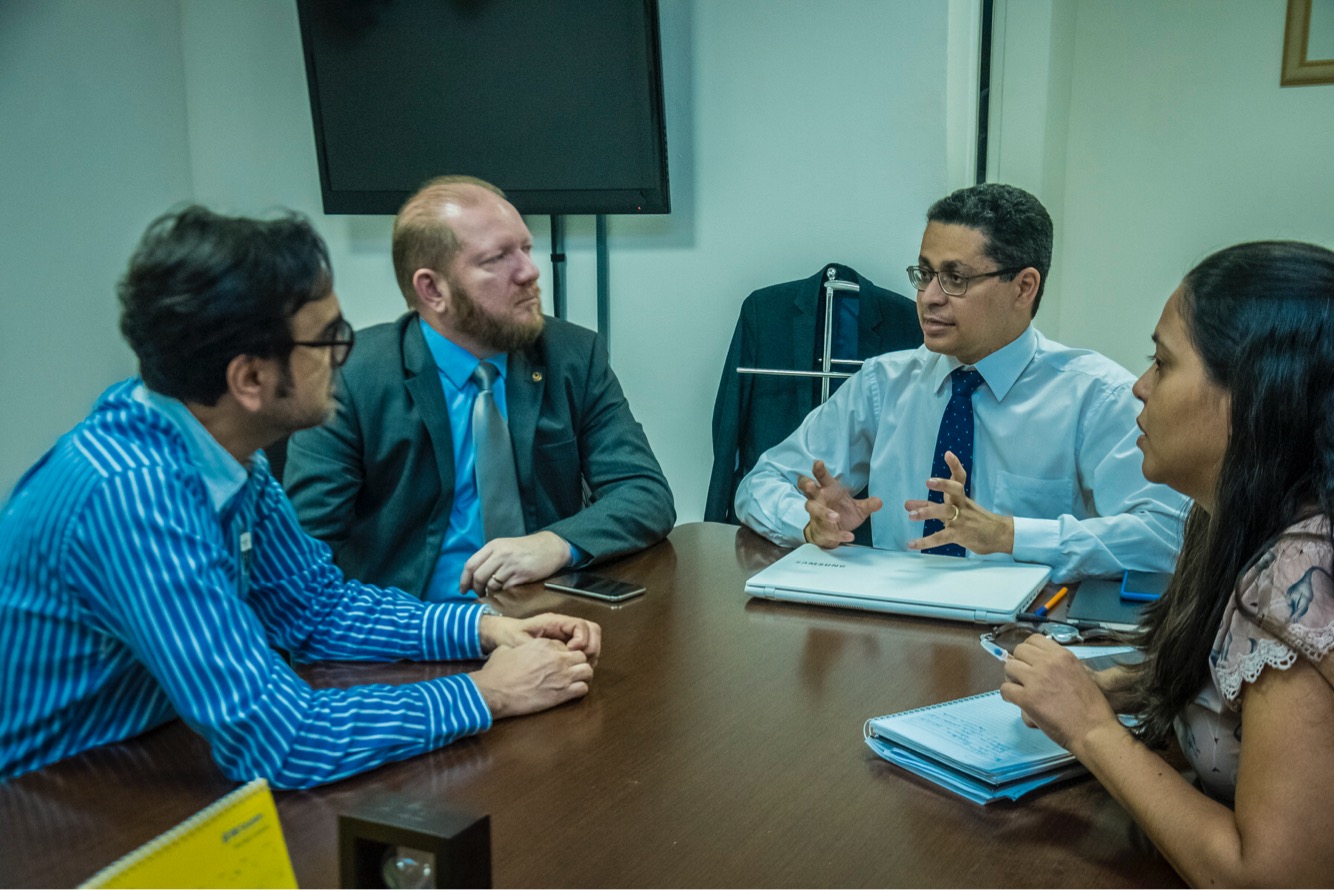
(778, 329)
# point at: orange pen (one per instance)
(1060, 595)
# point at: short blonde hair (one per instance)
(422, 238)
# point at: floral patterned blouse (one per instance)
(1291, 584)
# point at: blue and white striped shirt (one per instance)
(144, 574)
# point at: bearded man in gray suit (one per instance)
(390, 482)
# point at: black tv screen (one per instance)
(558, 102)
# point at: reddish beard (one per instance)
(502, 334)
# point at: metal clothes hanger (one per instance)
(826, 373)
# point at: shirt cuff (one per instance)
(1037, 540)
(577, 556)
(452, 631)
(457, 708)
(795, 520)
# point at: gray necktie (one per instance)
(497, 483)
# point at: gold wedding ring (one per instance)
(955, 516)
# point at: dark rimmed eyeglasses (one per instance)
(952, 283)
(340, 341)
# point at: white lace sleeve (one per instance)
(1291, 588)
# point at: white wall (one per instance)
(798, 134)
(1032, 54)
(1178, 141)
(252, 145)
(92, 147)
(1182, 142)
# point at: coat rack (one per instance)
(827, 361)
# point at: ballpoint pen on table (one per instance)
(1034, 618)
(1060, 595)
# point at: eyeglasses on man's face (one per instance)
(339, 340)
(952, 283)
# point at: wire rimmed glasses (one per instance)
(952, 283)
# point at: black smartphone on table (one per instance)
(595, 586)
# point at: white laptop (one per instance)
(980, 590)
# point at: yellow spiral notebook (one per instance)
(236, 842)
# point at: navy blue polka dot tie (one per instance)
(956, 434)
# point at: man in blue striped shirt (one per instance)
(150, 563)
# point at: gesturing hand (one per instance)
(966, 524)
(834, 512)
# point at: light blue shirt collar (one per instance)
(1000, 370)
(455, 362)
(223, 475)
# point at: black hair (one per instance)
(1017, 227)
(203, 288)
(1261, 317)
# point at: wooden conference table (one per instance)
(721, 745)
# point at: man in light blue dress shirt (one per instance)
(1056, 477)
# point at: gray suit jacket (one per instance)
(377, 482)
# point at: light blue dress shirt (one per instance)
(1054, 447)
(464, 536)
(146, 574)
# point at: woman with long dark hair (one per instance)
(1239, 415)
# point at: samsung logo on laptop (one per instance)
(823, 565)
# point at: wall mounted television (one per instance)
(558, 102)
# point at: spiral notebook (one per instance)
(236, 842)
(977, 747)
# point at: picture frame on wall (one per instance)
(1308, 52)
